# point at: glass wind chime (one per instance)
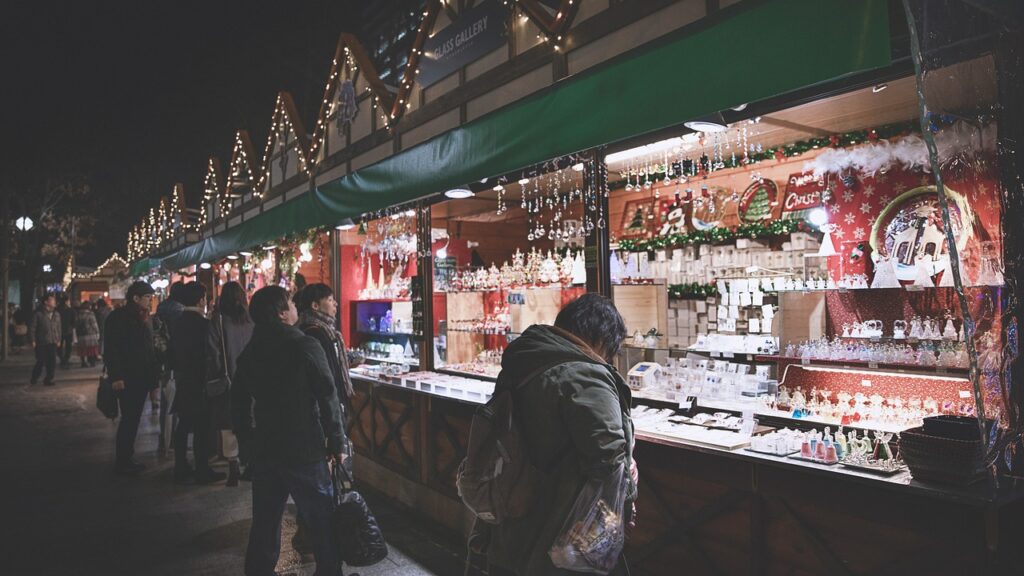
(565, 204)
(699, 156)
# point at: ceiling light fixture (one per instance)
(708, 124)
(459, 193)
(346, 224)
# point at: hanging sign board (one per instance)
(803, 193)
(474, 34)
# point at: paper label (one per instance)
(965, 394)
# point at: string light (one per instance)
(114, 258)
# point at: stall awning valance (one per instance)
(764, 49)
(143, 266)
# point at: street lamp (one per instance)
(24, 223)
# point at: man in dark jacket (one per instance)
(44, 334)
(574, 407)
(283, 376)
(187, 357)
(132, 367)
(67, 324)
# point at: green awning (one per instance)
(764, 49)
(143, 266)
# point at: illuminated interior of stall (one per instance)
(799, 263)
(378, 268)
(506, 258)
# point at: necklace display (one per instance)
(391, 237)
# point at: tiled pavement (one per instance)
(64, 512)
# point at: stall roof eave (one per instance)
(722, 64)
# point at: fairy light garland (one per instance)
(717, 234)
(115, 257)
(211, 191)
(282, 128)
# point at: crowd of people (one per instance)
(55, 330)
(265, 383)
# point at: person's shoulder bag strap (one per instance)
(223, 346)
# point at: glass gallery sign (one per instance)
(474, 34)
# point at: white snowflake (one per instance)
(869, 191)
(847, 196)
(839, 233)
(849, 218)
(834, 208)
(885, 199)
(865, 208)
(859, 233)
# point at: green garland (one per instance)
(692, 291)
(716, 235)
(800, 147)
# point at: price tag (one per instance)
(686, 404)
(873, 365)
(965, 394)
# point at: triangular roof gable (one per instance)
(286, 133)
(241, 176)
(178, 209)
(554, 26)
(213, 192)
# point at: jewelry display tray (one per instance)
(783, 455)
(876, 469)
(797, 456)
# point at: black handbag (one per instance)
(356, 532)
(106, 398)
(219, 385)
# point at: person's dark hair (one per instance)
(267, 304)
(313, 293)
(138, 288)
(101, 303)
(175, 293)
(300, 281)
(595, 320)
(192, 293)
(232, 302)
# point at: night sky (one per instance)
(137, 95)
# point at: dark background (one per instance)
(135, 96)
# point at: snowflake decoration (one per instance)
(859, 233)
(865, 208)
(869, 191)
(847, 196)
(839, 233)
(886, 198)
(834, 208)
(849, 218)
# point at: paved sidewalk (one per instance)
(64, 511)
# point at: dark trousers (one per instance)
(65, 352)
(132, 400)
(197, 424)
(46, 355)
(310, 487)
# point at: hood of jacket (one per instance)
(270, 336)
(541, 345)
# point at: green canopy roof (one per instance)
(763, 49)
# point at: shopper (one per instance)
(577, 407)
(318, 313)
(88, 333)
(44, 334)
(283, 374)
(132, 367)
(101, 312)
(67, 324)
(167, 313)
(187, 358)
(230, 331)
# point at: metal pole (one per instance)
(5, 278)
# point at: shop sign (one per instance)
(803, 192)
(474, 34)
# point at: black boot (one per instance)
(208, 475)
(233, 473)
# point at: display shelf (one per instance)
(748, 356)
(383, 334)
(466, 374)
(866, 365)
(381, 300)
(485, 333)
(759, 410)
(409, 361)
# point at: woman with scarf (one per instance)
(318, 318)
(230, 331)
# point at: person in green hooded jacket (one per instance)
(575, 423)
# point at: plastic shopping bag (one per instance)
(592, 537)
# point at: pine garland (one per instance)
(753, 230)
(692, 291)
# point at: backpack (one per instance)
(497, 480)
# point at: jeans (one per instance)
(132, 399)
(46, 355)
(198, 424)
(310, 487)
(65, 352)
